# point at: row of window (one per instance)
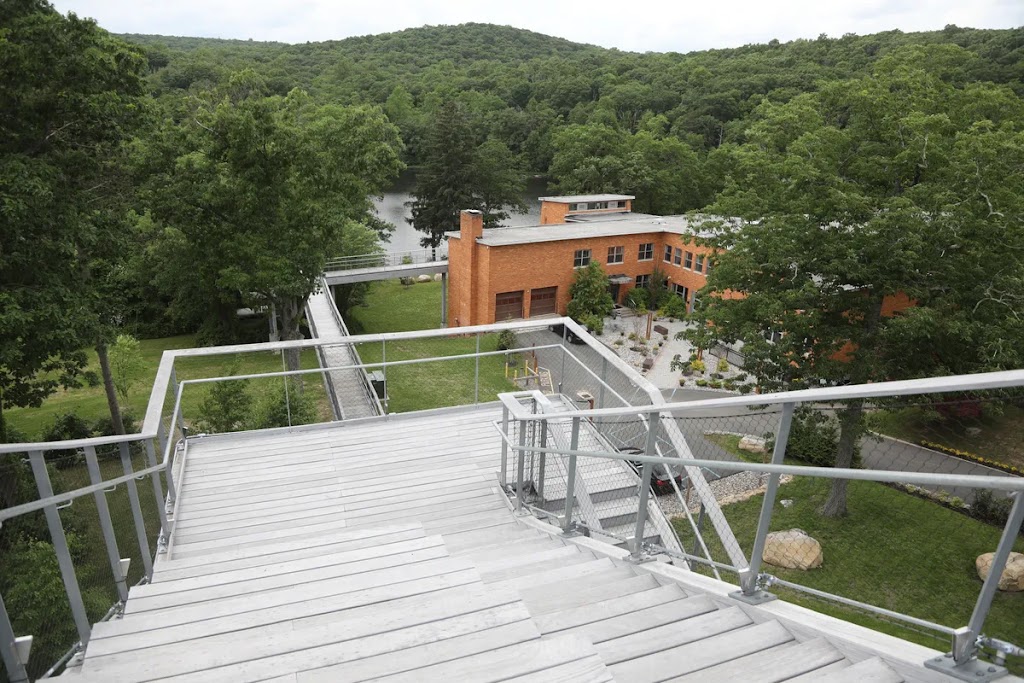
(588, 206)
(582, 257)
(694, 262)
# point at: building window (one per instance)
(543, 301)
(620, 204)
(574, 207)
(707, 271)
(700, 263)
(668, 254)
(681, 291)
(581, 258)
(689, 260)
(643, 280)
(772, 336)
(508, 305)
(677, 257)
(646, 252)
(615, 255)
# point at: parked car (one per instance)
(561, 330)
(661, 475)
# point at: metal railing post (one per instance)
(504, 446)
(158, 492)
(172, 493)
(650, 449)
(521, 466)
(13, 665)
(748, 577)
(561, 374)
(140, 522)
(60, 548)
(988, 589)
(287, 397)
(570, 484)
(106, 525)
(604, 379)
(543, 459)
(181, 419)
(476, 375)
(384, 369)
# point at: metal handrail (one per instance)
(371, 395)
(383, 258)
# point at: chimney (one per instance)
(471, 225)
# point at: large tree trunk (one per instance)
(108, 386)
(849, 435)
(290, 310)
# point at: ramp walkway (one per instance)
(347, 270)
(351, 393)
(384, 550)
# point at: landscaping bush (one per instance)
(91, 378)
(674, 307)
(723, 365)
(226, 407)
(989, 508)
(272, 405)
(715, 384)
(697, 365)
(506, 340)
(813, 439)
(64, 427)
(702, 383)
(746, 388)
(638, 298)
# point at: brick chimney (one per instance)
(471, 224)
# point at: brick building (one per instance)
(507, 273)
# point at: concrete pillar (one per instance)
(444, 299)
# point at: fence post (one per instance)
(520, 466)
(287, 398)
(158, 494)
(60, 548)
(8, 649)
(570, 484)
(965, 640)
(504, 446)
(748, 577)
(172, 493)
(384, 369)
(181, 419)
(651, 450)
(140, 522)
(561, 375)
(476, 376)
(604, 380)
(543, 458)
(106, 525)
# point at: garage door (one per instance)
(508, 305)
(543, 301)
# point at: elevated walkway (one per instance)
(384, 272)
(350, 391)
(384, 550)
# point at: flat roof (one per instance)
(576, 198)
(497, 237)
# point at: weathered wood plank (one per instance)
(678, 613)
(643, 640)
(587, 670)
(609, 581)
(770, 666)
(602, 610)
(871, 670)
(191, 549)
(702, 654)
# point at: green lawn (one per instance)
(894, 550)
(90, 403)
(392, 307)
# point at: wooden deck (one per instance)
(383, 550)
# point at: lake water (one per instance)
(393, 208)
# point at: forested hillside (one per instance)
(523, 85)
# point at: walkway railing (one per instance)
(385, 259)
(885, 503)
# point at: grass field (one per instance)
(90, 403)
(894, 550)
(392, 307)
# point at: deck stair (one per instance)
(368, 552)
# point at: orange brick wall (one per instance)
(553, 213)
(524, 267)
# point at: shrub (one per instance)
(723, 365)
(104, 426)
(125, 364)
(271, 407)
(589, 300)
(745, 388)
(682, 381)
(91, 378)
(702, 383)
(506, 340)
(593, 322)
(697, 365)
(988, 508)
(742, 377)
(226, 407)
(674, 307)
(638, 298)
(715, 384)
(64, 427)
(813, 438)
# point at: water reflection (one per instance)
(392, 208)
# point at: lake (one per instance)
(393, 208)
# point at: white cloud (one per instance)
(641, 25)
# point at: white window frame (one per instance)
(650, 251)
(616, 255)
(583, 256)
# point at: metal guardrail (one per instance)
(371, 395)
(966, 640)
(386, 259)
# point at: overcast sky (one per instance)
(641, 25)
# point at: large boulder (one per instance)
(424, 278)
(792, 549)
(1012, 579)
(753, 444)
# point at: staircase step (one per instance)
(771, 665)
(498, 551)
(872, 670)
(610, 583)
(642, 641)
(526, 659)
(702, 654)
(617, 512)
(492, 537)
(602, 610)
(671, 613)
(587, 670)
(589, 570)
(530, 563)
